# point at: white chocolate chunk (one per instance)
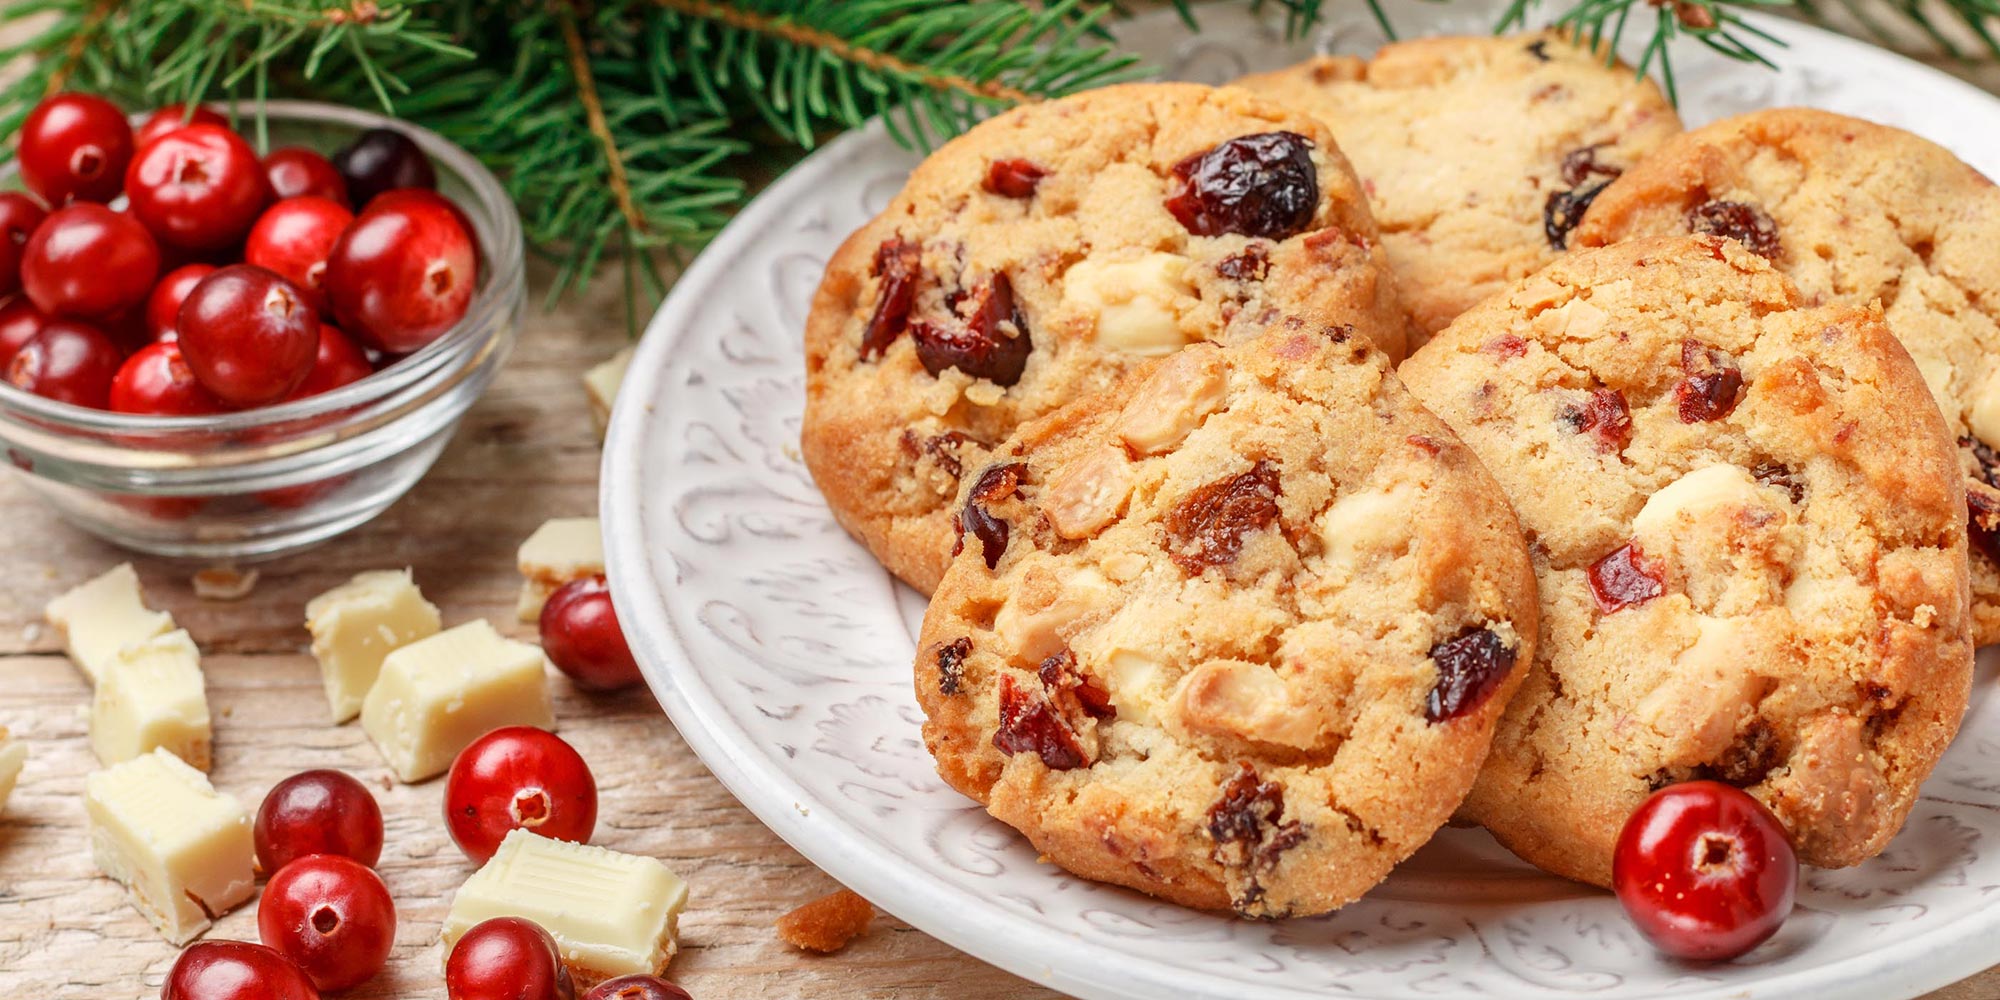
(1176, 398)
(150, 697)
(601, 384)
(182, 849)
(356, 625)
(611, 914)
(1038, 632)
(1137, 683)
(13, 754)
(1138, 303)
(103, 616)
(436, 695)
(1368, 520)
(1688, 497)
(1090, 493)
(1983, 415)
(1243, 700)
(559, 551)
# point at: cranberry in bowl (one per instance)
(310, 428)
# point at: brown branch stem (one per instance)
(593, 109)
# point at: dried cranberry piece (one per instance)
(1579, 165)
(1755, 754)
(1604, 416)
(1029, 724)
(1470, 667)
(1982, 509)
(1712, 386)
(951, 664)
(1539, 48)
(1780, 475)
(1065, 684)
(1244, 823)
(1746, 224)
(1986, 462)
(1564, 210)
(995, 484)
(939, 448)
(978, 344)
(1253, 185)
(1208, 526)
(1013, 178)
(899, 263)
(1248, 264)
(1622, 579)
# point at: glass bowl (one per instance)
(262, 483)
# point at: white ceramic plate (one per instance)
(783, 652)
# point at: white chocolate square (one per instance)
(150, 697)
(13, 754)
(601, 384)
(559, 551)
(182, 849)
(611, 914)
(356, 625)
(436, 695)
(103, 616)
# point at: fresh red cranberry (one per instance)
(581, 636)
(19, 215)
(235, 970)
(197, 188)
(330, 915)
(293, 238)
(318, 812)
(159, 508)
(68, 362)
(518, 777)
(249, 335)
(340, 362)
(381, 160)
(156, 382)
(295, 172)
(296, 497)
(19, 322)
(171, 118)
(637, 988)
(1705, 871)
(402, 274)
(1256, 185)
(74, 147)
(506, 958)
(163, 306)
(90, 262)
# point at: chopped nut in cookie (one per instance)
(1178, 396)
(1089, 494)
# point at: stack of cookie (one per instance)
(1234, 605)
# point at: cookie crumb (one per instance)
(828, 923)
(223, 583)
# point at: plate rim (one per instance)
(784, 806)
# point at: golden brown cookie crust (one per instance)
(1858, 213)
(1462, 143)
(1254, 613)
(1104, 277)
(1799, 627)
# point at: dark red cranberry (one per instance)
(1705, 871)
(402, 275)
(1712, 385)
(197, 188)
(171, 118)
(340, 362)
(296, 172)
(156, 381)
(987, 337)
(1013, 178)
(996, 483)
(1470, 667)
(1747, 224)
(581, 636)
(1030, 724)
(506, 958)
(67, 362)
(1254, 185)
(1208, 526)
(235, 970)
(74, 147)
(293, 239)
(89, 262)
(1622, 578)
(318, 812)
(19, 215)
(163, 306)
(19, 322)
(898, 263)
(518, 778)
(1564, 210)
(381, 160)
(1604, 416)
(249, 335)
(637, 988)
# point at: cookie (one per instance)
(1045, 253)
(1856, 213)
(1747, 524)
(1478, 154)
(1234, 633)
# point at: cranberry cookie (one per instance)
(1234, 633)
(1478, 154)
(1855, 213)
(1043, 254)
(1748, 527)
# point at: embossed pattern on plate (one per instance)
(783, 652)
